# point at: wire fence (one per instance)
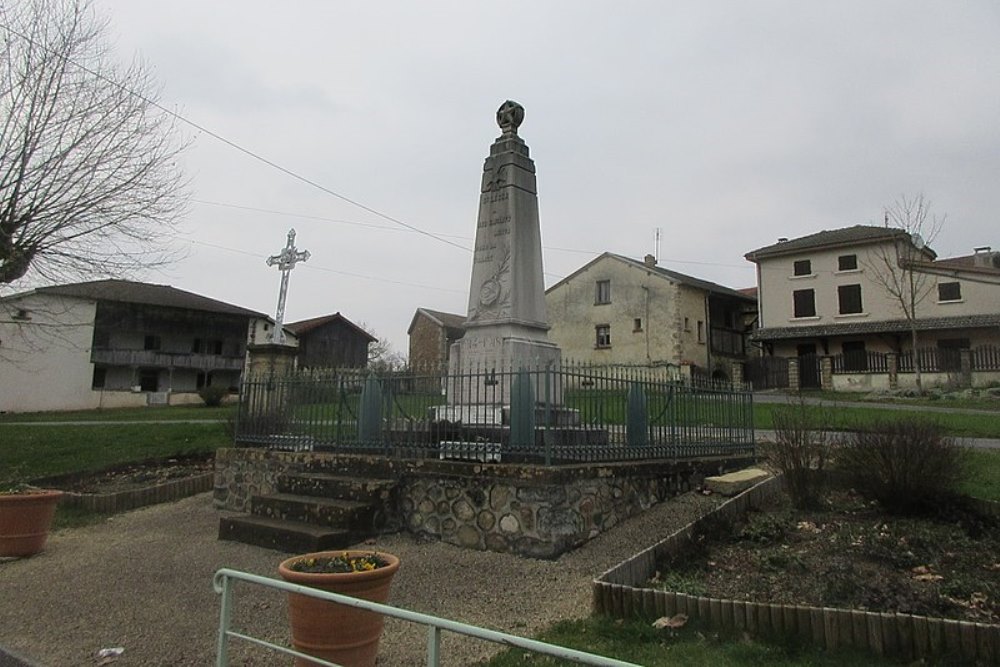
(565, 414)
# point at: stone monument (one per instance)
(507, 323)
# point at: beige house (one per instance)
(617, 310)
(823, 302)
(116, 343)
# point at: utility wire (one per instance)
(233, 144)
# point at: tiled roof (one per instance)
(127, 291)
(967, 263)
(845, 236)
(453, 324)
(880, 326)
(305, 326)
(674, 276)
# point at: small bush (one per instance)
(907, 465)
(213, 395)
(800, 451)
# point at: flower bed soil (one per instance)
(848, 554)
(132, 476)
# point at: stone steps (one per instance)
(316, 510)
(283, 535)
(325, 485)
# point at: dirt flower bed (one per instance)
(136, 475)
(848, 554)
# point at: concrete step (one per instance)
(330, 512)
(287, 536)
(325, 485)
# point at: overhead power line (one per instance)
(233, 144)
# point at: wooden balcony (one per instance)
(159, 359)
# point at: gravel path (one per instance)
(143, 581)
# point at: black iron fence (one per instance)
(573, 413)
(860, 361)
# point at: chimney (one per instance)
(783, 239)
(649, 261)
(985, 257)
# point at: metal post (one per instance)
(225, 616)
(433, 646)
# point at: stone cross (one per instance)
(285, 261)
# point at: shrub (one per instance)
(800, 451)
(213, 395)
(905, 464)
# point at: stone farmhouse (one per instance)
(618, 310)
(116, 343)
(827, 320)
(431, 334)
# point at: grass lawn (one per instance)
(172, 412)
(29, 452)
(943, 402)
(638, 642)
(983, 477)
(841, 418)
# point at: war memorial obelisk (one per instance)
(507, 323)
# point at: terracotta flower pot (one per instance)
(343, 635)
(25, 519)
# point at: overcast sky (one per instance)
(725, 124)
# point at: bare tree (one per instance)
(382, 356)
(89, 180)
(892, 264)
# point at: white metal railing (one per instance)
(222, 582)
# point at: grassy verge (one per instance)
(840, 418)
(947, 401)
(983, 476)
(173, 412)
(29, 452)
(638, 642)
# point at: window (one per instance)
(197, 345)
(847, 263)
(603, 335)
(855, 356)
(215, 347)
(151, 343)
(850, 299)
(603, 292)
(949, 291)
(805, 302)
(701, 331)
(100, 378)
(637, 324)
(21, 314)
(203, 380)
(803, 267)
(687, 324)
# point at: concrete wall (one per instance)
(45, 359)
(533, 511)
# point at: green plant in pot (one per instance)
(334, 632)
(25, 518)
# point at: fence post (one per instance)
(637, 423)
(892, 361)
(522, 412)
(826, 373)
(370, 411)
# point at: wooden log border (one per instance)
(112, 503)
(618, 593)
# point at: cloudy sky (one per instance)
(724, 124)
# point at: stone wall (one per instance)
(530, 510)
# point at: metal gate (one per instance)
(766, 372)
(809, 372)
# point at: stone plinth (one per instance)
(733, 483)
